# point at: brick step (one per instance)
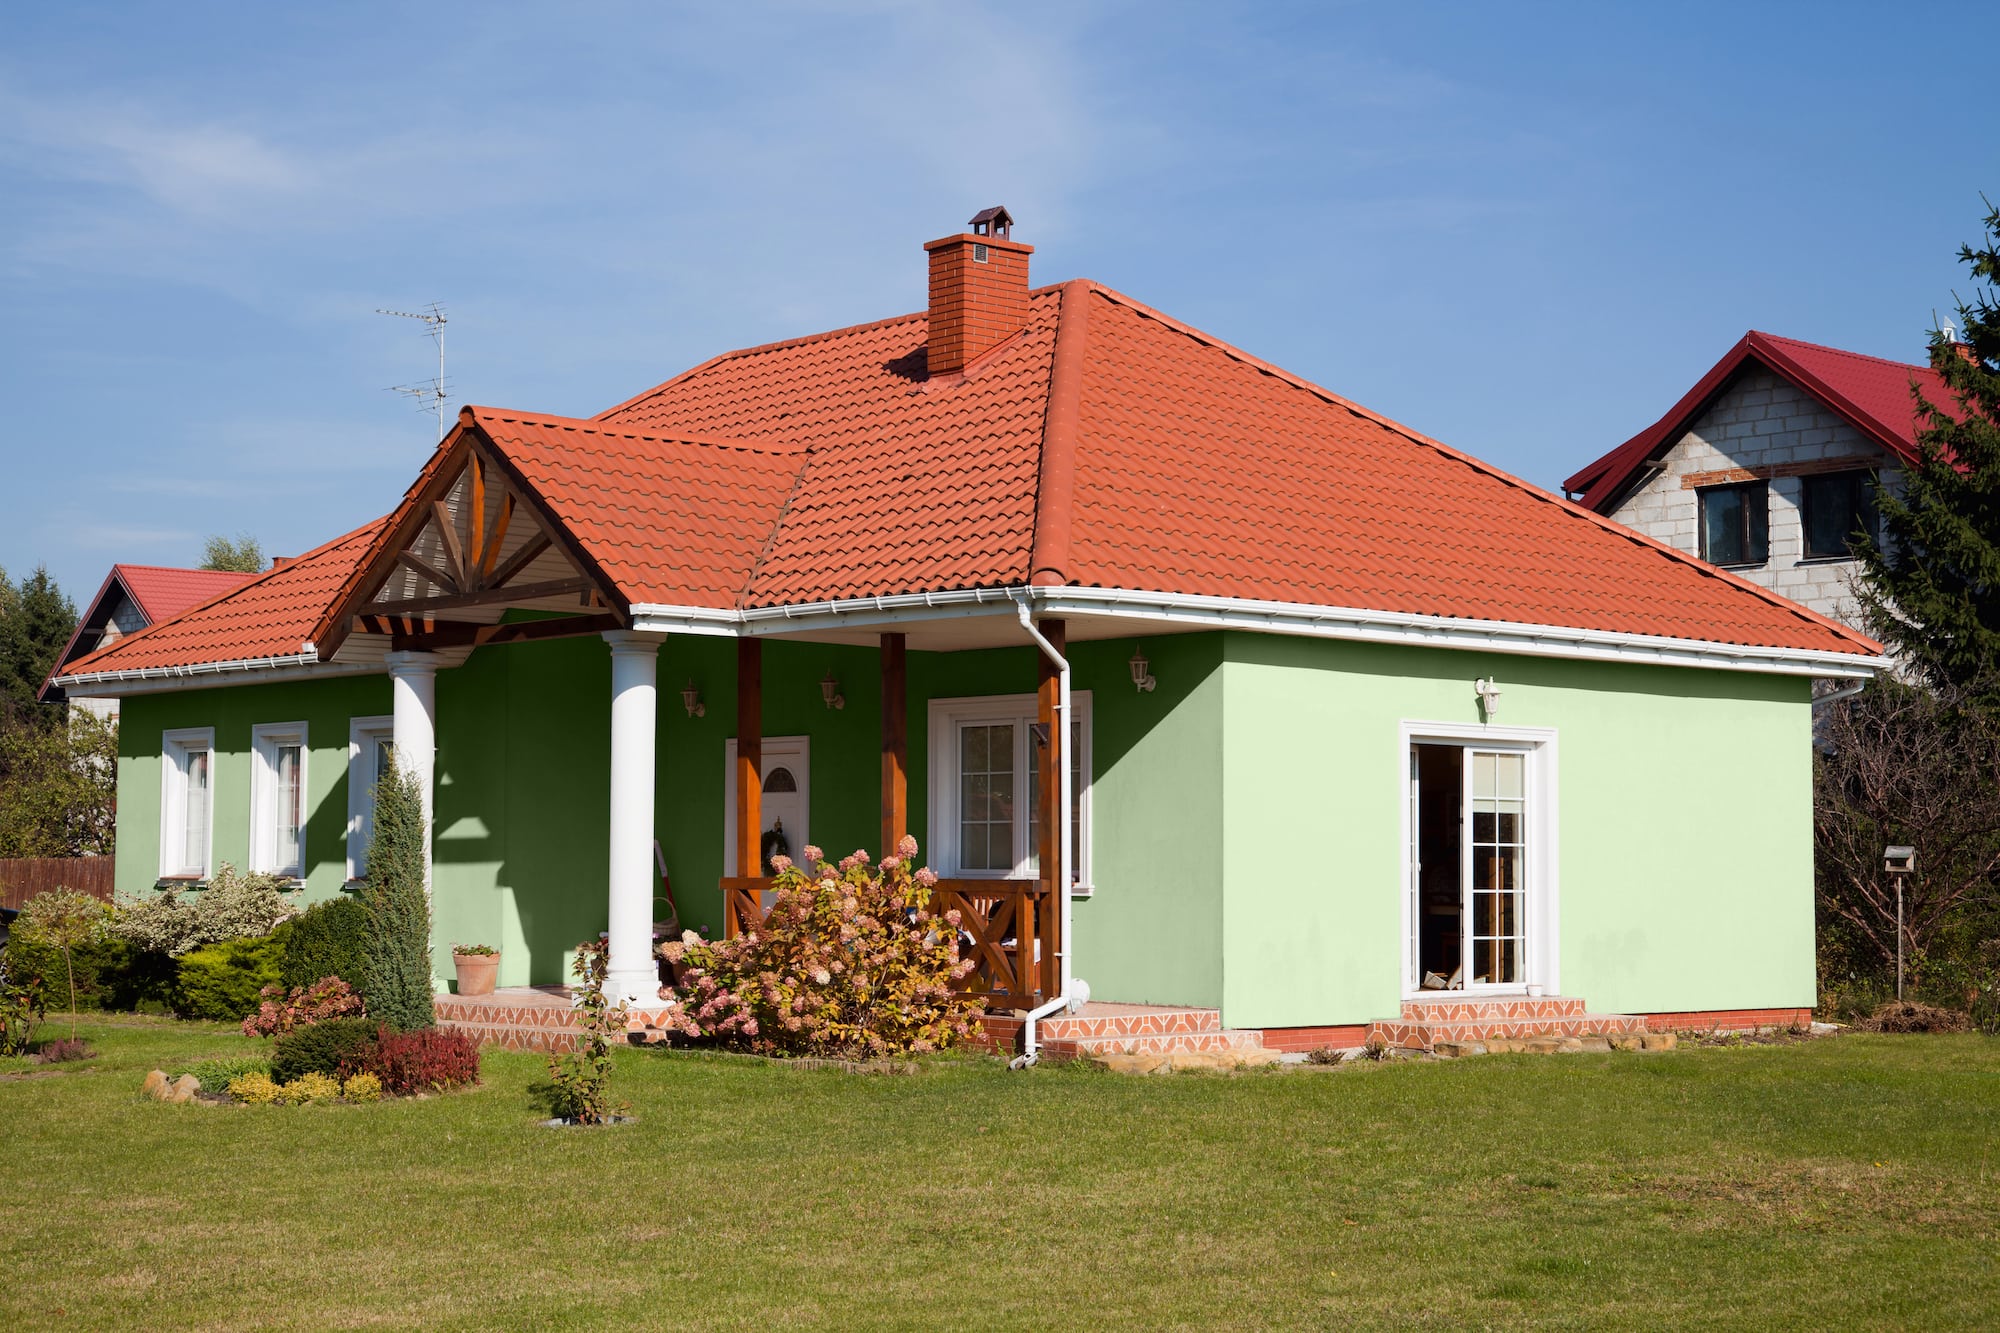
(509, 1037)
(1422, 1036)
(1462, 1008)
(1132, 1024)
(1165, 1044)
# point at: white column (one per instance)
(413, 683)
(633, 975)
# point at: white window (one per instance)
(187, 802)
(985, 820)
(369, 743)
(278, 799)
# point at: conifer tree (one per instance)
(398, 954)
(36, 622)
(1931, 587)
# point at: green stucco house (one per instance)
(1202, 687)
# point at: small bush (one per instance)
(338, 1046)
(851, 961)
(21, 1000)
(232, 905)
(580, 1080)
(362, 1087)
(216, 1075)
(225, 981)
(328, 940)
(427, 1060)
(311, 1088)
(64, 1049)
(256, 1089)
(329, 997)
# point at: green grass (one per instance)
(1845, 1183)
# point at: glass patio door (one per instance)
(1495, 875)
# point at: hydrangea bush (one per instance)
(850, 961)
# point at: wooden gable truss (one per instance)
(471, 542)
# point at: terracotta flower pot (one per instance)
(476, 972)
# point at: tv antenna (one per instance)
(429, 397)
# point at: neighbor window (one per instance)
(984, 801)
(278, 799)
(369, 743)
(187, 802)
(1735, 523)
(1838, 507)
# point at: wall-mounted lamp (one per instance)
(1142, 678)
(691, 700)
(829, 690)
(1488, 690)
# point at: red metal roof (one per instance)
(1104, 445)
(1872, 393)
(162, 592)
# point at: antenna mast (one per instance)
(429, 397)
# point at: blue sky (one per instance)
(1523, 229)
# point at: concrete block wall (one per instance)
(1764, 426)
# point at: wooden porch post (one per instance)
(895, 746)
(749, 755)
(1048, 780)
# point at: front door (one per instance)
(786, 804)
(1468, 888)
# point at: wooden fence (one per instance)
(22, 879)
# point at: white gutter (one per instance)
(1311, 621)
(1059, 742)
(201, 675)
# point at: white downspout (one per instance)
(1844, 692)
(1029, 1048)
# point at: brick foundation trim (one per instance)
(1727, 1020)
(1339, 1037)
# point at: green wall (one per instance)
(1247, 819)
(1684, 826)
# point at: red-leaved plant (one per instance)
(424, 1060)
(850, 961)
(329, 997)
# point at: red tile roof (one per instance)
(1104, 445)
(1872, 393)
(162, 592)
(270, 615)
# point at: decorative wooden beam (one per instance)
(1048, 780)
(895, 744)
(461, 634)
(429, 571)
(749, 756)
(527, 592)
(520, 560)
(497, 536)
(448, 534)
(475, 528)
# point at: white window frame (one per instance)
(362, 735)
(266, 738)
(945, 718)
(176, 748)
(1543, 944)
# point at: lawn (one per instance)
(1849, 1182)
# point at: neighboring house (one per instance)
(1767, 466)
(131, 598)
(1354, 716)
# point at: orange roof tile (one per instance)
(1161, 460)
(161, 591)
(271, 615)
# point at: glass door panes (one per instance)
(194, 811)
(986, 796)
(1496, 879)
(290, 811)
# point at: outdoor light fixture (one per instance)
(1899, 862)
(1488, 690)
(829, 690)
(1141, 677)
(691, 700)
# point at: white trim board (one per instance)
(1544, 860)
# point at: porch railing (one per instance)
(1007, 927)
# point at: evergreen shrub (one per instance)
(336, 1046)
(225, 981)
(329, 939)
(398, 952)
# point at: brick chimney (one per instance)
(979, 291)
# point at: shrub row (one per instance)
(426, 1060)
